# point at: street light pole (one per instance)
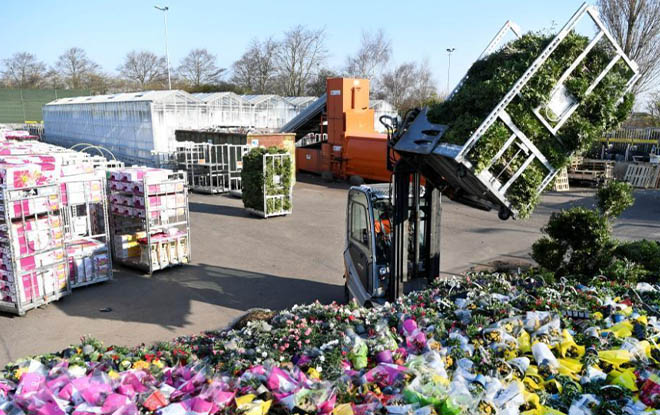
(449, 52)
(167, 55)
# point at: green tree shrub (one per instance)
(614, 198)
(646, 253)
(276, 178)
(577, 242)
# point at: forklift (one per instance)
(393, 229)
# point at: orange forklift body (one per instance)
(354, 148)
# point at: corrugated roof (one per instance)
(153, 96)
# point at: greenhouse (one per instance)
(227, 109)
(134, 126)
(270, 111)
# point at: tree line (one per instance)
(296, 63)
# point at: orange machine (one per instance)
(353, 148)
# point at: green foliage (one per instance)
(491, 78)
(623, 270)
(614, 197)
(275, 179)
(577, 242)
(646, 253)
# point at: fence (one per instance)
(632, 141)
(22, 105)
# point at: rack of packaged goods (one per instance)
(33, 258)
(86, 228)
(150, 224)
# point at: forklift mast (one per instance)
(414, 272)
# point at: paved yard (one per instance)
(240, 262)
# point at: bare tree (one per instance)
(200, 67)
(653, 107)
(99, 82)
(256, 70)
(635, 24)
(299, 58)
(23, 70)
(74, 67)
(374, 54)
(143, 68)
(318, 84)
(53, 80)
(408, 85)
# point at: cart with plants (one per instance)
(267, 182)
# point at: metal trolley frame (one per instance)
(211, 168)
(277, 200)
(119, 224)
(99, 231)
(9, 198)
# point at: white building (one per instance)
(227, 109)
(133, 126)
(270, 111)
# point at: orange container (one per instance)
(354, 147)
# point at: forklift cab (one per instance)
(370, 254)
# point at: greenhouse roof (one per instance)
(153, 96)
(258, 99)
(214, 96)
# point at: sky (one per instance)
(418, 29)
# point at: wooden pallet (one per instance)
(561, 181)
(642, 176)
(575, 162)
(597, 171)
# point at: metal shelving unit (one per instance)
(33, 257)
(159, 220)
(211, 168)
(87, 229)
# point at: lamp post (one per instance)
(449, 52)
(167, 55)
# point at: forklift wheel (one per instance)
(355, 180)
(504, 213)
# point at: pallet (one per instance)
(642, 176)
(597, 171)
(561, 181)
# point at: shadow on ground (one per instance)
(314, 179)
(165, 298)
(209, 208)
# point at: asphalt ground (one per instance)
(241, 262)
